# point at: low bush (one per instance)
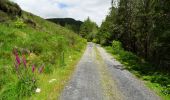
(19, 23)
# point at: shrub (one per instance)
(116, 45)
(95, 40)
(19, 23)
(166, 91)
(124, 55)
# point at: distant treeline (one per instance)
(69, 23)
(89, 30)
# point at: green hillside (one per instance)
(69, 23)
(43, 46)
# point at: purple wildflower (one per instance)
(17, 56)
(18, 59)
(33, 68)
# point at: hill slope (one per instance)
(68, 22)
(44, 45)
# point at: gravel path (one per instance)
(85, 84)
(100, 77)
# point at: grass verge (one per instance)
(52, 85)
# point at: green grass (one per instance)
(51, 91)
(44, 43)
(155, 79)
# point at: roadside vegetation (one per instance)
(154, 79)
(37, 57)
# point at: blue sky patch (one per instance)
(62, 5)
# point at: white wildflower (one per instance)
(38, 90)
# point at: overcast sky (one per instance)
(77, 9)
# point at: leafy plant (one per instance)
(117, 46)
(27, 76)
(26, 84)
(19, 23)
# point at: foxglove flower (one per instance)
(33, 68)
(18, 59)
(17, 56)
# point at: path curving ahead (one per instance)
(99, 76)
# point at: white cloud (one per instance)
(78, 9)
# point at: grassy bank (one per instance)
(52, 85)
(42, 45)
(155, 79)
